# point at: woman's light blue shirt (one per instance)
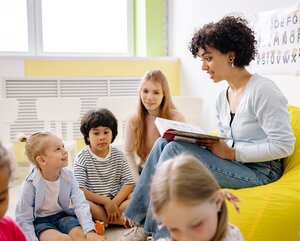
(260, 130)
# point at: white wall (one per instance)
(187, 15)
(10, 67)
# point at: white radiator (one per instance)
(26, 90)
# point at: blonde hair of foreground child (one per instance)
(184, 180)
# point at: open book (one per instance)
(175, 130)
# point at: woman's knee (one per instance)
(171, 150)
(160, 143)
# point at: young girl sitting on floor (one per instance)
(43, 210)
(187, 200)
(9, 230)
(101, 170)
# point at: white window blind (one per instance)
(26, 90)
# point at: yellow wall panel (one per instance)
(94, 68)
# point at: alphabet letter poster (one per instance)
(278, 41)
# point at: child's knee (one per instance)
(54, 234)
(64, 237)
(76, 233)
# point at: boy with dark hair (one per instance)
(101, 170)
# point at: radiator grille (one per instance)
(26, 90)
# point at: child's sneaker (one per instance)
(134, 234)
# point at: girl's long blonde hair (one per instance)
(185, 179)
(166, 106)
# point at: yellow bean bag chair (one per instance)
(272, 212)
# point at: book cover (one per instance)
(175, 130)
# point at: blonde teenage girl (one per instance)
(43, 210)
(141, 132)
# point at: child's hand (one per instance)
(118, 212)
(112, 211)
(92, 236)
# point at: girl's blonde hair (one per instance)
(166, 106)
(186, 180)
(35, 146)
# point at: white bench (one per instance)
(121, 107)
(59, 110)
(190, 106)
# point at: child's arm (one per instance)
(24, 210)
(95, 198)
(123, 194)
(110, 207)
(81, 207)
(129, 149)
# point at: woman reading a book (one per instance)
(141, 132)
(252, 116)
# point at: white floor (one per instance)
(112, 233)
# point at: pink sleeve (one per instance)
(10, 231)
(19, 235)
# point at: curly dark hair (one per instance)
(230, 34)
(98, 117)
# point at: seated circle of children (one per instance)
(9, 230)
(51, 205)
(187, 199)
(102, 171)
